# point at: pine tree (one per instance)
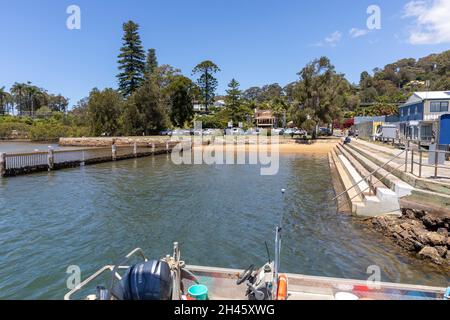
(131, 60)
(233, 95)
(207, 83)
(152, 62)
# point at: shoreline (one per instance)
(283, 148)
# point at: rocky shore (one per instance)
(420, 232)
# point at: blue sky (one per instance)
(255, 41)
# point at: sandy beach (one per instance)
(286, 148)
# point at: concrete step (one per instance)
(353, 198)
(362, 170)
(401, 188)
(385, 201)
(405, 185)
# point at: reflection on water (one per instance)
(221, 215)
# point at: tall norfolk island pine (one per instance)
(152, 62)
(131, 60)
(207, 83)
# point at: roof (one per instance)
(427, 95)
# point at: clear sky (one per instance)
(255, 41)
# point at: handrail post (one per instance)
(436, 157)
(135, 149)
(412, 161)
(2, 164)
(420, 163)
(167, 147)
(51, 159)
(153, 147)
(406, 160)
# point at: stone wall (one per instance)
(107, 141)
(420, 232)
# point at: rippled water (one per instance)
(221, 215)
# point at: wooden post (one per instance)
(2, 164)
(114, 151)
(51, 159)
(135, 149)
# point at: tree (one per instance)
(5, 101)
(131, 120)
(181, 97)
(152, 113)
(104, 108)
(151, 63)
(206, 82)
(252, 94)
(57, 103)
(320, 93)
(80, 112)
(233, 99)
(131, 60)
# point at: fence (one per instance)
(13, 164)
(434, 167)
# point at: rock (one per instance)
(443, 231)
(409, 213)
(442, 251)
(432, 223)
(432, 238)
(431, 253)
(419, 214)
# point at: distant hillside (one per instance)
(396, 81)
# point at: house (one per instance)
(420, 115)
(265, 119)
(219, 104)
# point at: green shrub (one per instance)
(19, 129)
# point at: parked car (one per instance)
(300, 132)
(181, 132)
(235, 131)
(197, 132)
(289, 131)
(325, 132)
(278, 131)
(252, 132)
(166, 132)
(210, 132)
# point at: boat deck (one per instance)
(221, 283)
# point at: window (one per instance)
(439, 106)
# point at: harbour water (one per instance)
(220, 215)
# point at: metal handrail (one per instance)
(364, 179)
